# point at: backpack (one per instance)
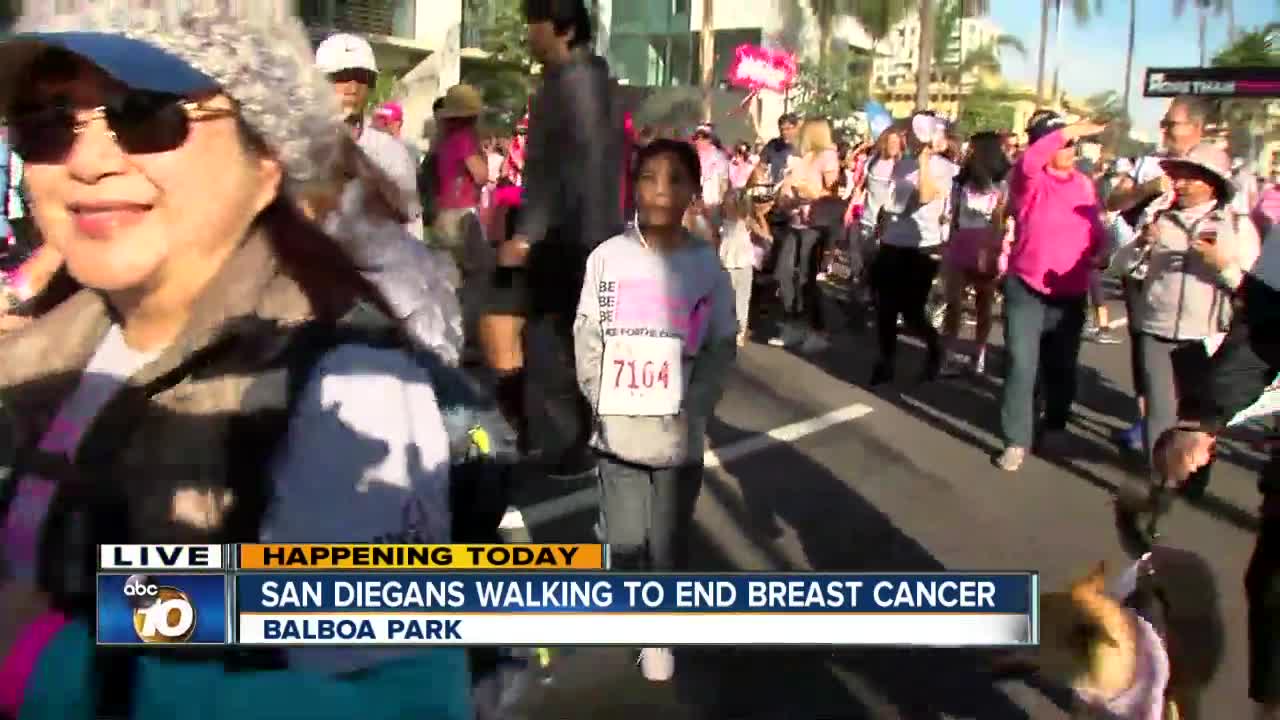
(482, 444)
(482, 448)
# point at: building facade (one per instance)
(898, 53)
(416, 42)
(656, 44)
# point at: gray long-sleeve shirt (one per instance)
(673, 317)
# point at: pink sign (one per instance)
(756, 68)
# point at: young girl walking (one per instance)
(654, 343)
(737, 254)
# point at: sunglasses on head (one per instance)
(141, 123)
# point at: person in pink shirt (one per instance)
(461, 172)
(1058, 237)
(741, 166)
(1266, 214)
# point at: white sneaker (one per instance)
(814, 343)
(787, 336)
(657, 664)
(1011, 458)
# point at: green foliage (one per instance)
(504, 76)
(985, 109)
(385, 88)
(1255, 48)
(500, 27)
(834, 89)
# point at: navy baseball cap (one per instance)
(1044, 123)
(134, 63)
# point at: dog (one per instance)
(1110, 652)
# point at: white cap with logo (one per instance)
(345, 52)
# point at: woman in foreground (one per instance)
(176, 160)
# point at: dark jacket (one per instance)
(573, 177)
(1246, 363)
(575, 156)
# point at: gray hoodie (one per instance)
(654, 340)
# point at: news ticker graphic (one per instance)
(336, 595)
(362, 557)
(491, 608)
(1255, 82)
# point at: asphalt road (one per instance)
(904, 482)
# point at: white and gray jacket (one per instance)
(1182, 298)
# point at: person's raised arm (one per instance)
(927, 188)
(1126, 198)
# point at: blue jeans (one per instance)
(1041, 335)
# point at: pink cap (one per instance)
(390, 111)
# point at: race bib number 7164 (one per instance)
(642, 376)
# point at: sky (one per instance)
(1094, 54)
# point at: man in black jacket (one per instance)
(572, 203)
(1242, 368)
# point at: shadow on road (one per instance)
(958, 405)
(838, 530)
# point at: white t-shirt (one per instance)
(923, 227)
(736, 250)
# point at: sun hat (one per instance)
(344, 51)
(1213, 161)
(255, 51)
(461, 101)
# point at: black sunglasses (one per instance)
(140, 122)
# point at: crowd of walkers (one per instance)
(242, 308)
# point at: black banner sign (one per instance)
(1259, 82)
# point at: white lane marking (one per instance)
(1118, 323)
(585, 499)
(784, 434)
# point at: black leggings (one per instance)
(901, 279)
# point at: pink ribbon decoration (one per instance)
(756, 68)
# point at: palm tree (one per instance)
(1081, 10)
(1128, 57)
(708, 55)
(1204, 8)
(924, 64)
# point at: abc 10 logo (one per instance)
(161, 614)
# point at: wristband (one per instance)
(17, 667)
